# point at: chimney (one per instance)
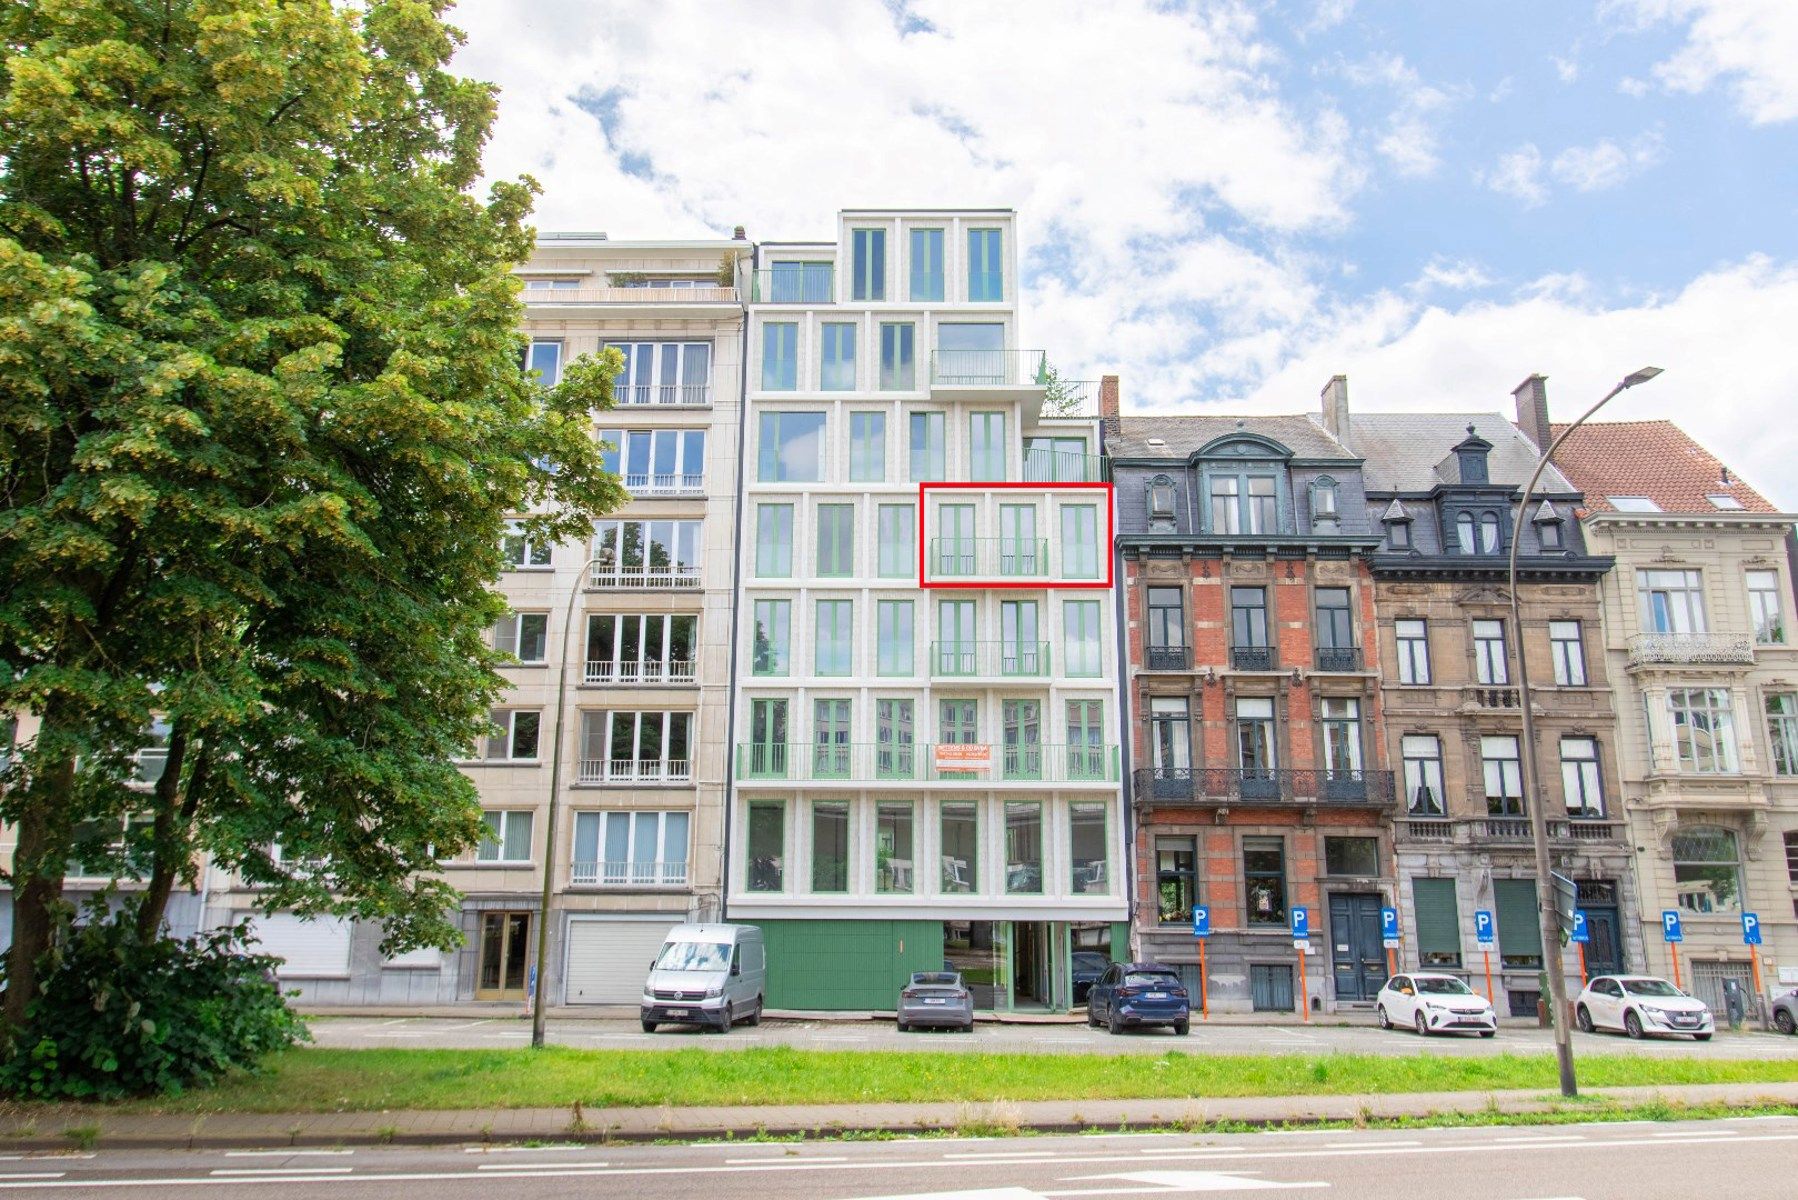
(1532, 410)
(1336, 409)
(739, 234)
(1109, 412)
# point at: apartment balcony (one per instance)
(996, 660)
(1252, 658)
(642, 484)
(652, 395)
(794, 283)
(1506, 831)
(1077, 399)
(628, 874)
(1698, 649)
(1255, 785)
(981, 369)
(615, 577)
(635, 770)
(625, 674)
(713, 294)
(1338, 658)
(987, 558)
(1167, 658)
(1053, 466)
(1486, 696)
(919, 762)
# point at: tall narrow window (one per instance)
(1342, 737)
(774, 541)
(867, 447)
(1464, 534)
(1170, 738)
(986, 446)
(953, 549)
(766, 848)
(1782, 731)
(770, 652)
(1438, 922)
(831, 638)
(1580, 784)
(1023, 847)
(1569, 652)
(830, 738)
(1764, 609)
(830, 846)
(1519, 924)
(1167, 626)
(1080, 631)
(1080, 541)
(1086, 732)
(1248, 618)
(958, 825)
(956, 650)
(893, 857)
(1020, 551)
(869, 264)
(1413, 640)
(791, 447)
(894, 618)
(927, 450)
(895, 739)
(897, 541)
(1263, 506)
(898, 364)
(1255, 752)
(1489, 535)
(780, 356)
(1703, 730)
(1226, 502)
(1088, 860)
(1264, 879)
(1672, 601)
(1021, 650)
(986, 265)
(836, 373)
(1335, 631)
(1503, 776)
(836, 540)
(1490, 664)
(1422, 757)
(1176, 879)
(926, 264)
(1021, 734)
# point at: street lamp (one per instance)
(1551, 927)
(555, 787)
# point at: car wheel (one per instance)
(1783, 1021)
(1180, 1027)
(755, 1014)
(1583, 1016)
(1092, 1019)
(1632, 1024)
(1380, 1016)
(904, 1028)
(649, 1027)
(1423, 1030)
(724, 1018)
(1115, 1025)
(1488, 1033)
(1701, 1037)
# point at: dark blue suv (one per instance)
(1139, 993)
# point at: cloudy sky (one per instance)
(1227, 201)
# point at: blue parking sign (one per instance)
(1201, 921)
(1751, 929)
(1580, 935)
(1389, 922)
(1301, 923)
(1482, 927)
(1670, 927)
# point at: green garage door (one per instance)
(847, 964)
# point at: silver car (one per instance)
(1785, 1013)
(936, 1000)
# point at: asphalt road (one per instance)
(1317, 1038)
(1746, 1159)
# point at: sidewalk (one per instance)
(59, 1127)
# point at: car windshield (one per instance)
(935, 978)
(1090, 960)
(1649, 987)
(1150, 979)
(694, 956)
(1442, 987)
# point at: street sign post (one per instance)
(1673, 934)
(1580, 937)
(1301, 941)
(1201, 929)
(1751, 936)
(1389, 936)
(1482, 933)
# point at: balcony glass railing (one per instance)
(921, 762)
(606, 671)
(1078, 398)
(958, 659)
(1056, 466)
(795, 283)
(987, 557)
(988, 368)
(628, 874)
(635, 770)
(662, 393)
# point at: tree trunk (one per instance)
(168, 838)
(39, 862)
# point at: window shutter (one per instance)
(1438, 917)
(1519, 924)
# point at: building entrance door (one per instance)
(1030, 956)
(1604, 953)
(1357, 957)
(505, 948)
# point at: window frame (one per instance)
(1490, 670)
(507, 817)
(1413, 651)
(512, 734)
(1582, 779)
(1569, 653)
(780, 356)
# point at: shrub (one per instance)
(120, 1015)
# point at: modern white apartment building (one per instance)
(925, 732)
(644, 761)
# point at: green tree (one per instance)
(261, 418)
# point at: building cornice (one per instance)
(1583, 567)
(1215, 546)
(1717, 520)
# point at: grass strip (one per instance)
(337, 1080)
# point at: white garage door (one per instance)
(609, 960)
(316, 947)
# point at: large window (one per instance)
(1342, 736)
(520, 550)
(513, 733)
(1080, 541)
(641, 647)
(1176, 878)
(1782, 732)
(774, 541)
(893, 857)
(832, 638)
(1569, 651)
(895, 738)
(1413, 639)
(1438, 922)
(656, 462)
(544, 359)
(1167, 620)
(894, 638)
(1244, 504)
(970, 354)
(836, 370)
(1056, 459)
(1082, 651)
(959, 826)
(1707, 870)
(1764, 608)
(898, 358)
(766, 845)
(1023, 847)
(791, 447)
(1672, 601)
(867, 447)
(622, 745)
(927, 447)
(830, 845)
(1580, 780)
(1335, 624)
(830, 738)
(868, 264)
(523, 635)
(1086, 734)
(771, 650)
(506, 837)
(986, 446)
(1255, 752)
(1421, 755)
(1490, 664)
(1703, 730)
(664, 373)
(1519, 924)
(642, 849)
(986, 265)
(1503, 771)
(1020, 551)
(1170, 737)
(926, 265)
(897, 542)
(1264, 879)
(1087, 858)
(1248, 629)
(836, 540)
(645, 554)
(780, 356)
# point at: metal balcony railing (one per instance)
(635, 770)
(692, 395)
(1078, 398)
(668, 575)
(987, 557)
(988, 368)
(628, 874)
(639, 483)
(1252, 658)
(630, 295)
(1168, 658)
(1696, 648)
(1272, 785)
(1338, 658)
(600, 670)
(1057, 466)
(921, 762)
(794, 283)
(1015, 659)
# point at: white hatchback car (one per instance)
(1641, 1004)
(1432, 1003)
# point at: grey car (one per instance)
(1785, 1013)
(936, 1000)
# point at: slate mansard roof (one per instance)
(1405, 452)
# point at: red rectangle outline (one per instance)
(1025, 585)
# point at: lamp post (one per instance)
(555, 788)
(1550, 923)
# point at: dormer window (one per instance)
(1398, 526)
(1489, 533)
(1161, 502)
(1244, 504)
(1549, 531)
(1477, 533)
(1464, 535)
(1323, 502)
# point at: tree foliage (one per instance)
(261, 419)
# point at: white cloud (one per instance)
(1451, 275)
(1605, 164)
(1327, 15)
(1566, 69)
(1518, 174)
(1632, 87)
(1410, 139)
(1750, 45)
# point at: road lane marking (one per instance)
(823, 1158)
(1707, 1133)
(565, 1146)
(511, 1168)
(4, 1175)
(285, 1153)
(1359, 1145)
(283, 1171)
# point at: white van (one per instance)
(706, 975)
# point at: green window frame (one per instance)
(774, 541)
(1080, 541)
(926, 264)
(986, 446)
(836, 541)
(830, 846)
(1089, 848)
(898, 356)
(833, 638)
(929, 460)
(772, 634)
(765, 847)
(836, 366)
(894, 850)
(958, 722)
(894, 630)
(868, 264)
(1086, 739)
(1438, 922)
(780, 356)
(782, 451)
(867, 447)
(1084, 653)
(986, 265)
(896, 535)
